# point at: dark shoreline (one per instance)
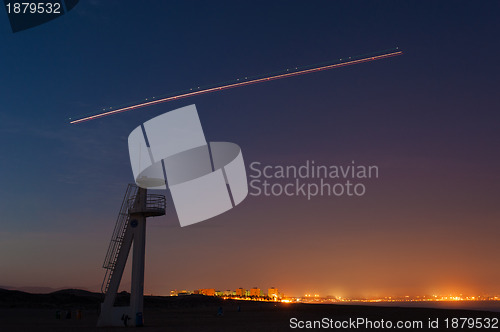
(21, 311)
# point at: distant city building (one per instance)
(255, 291)
(176, 292)
(207, 291)
(273, 293)
(241, 292)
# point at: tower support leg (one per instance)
(138, 258)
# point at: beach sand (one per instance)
(199, 313)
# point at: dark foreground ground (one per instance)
(38, 312)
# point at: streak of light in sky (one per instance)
(242, 82)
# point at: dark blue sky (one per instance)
(429, 119)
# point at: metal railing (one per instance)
(155, 203)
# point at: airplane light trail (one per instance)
(236, 83)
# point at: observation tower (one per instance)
(130, 229)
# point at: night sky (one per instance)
(429, 119)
